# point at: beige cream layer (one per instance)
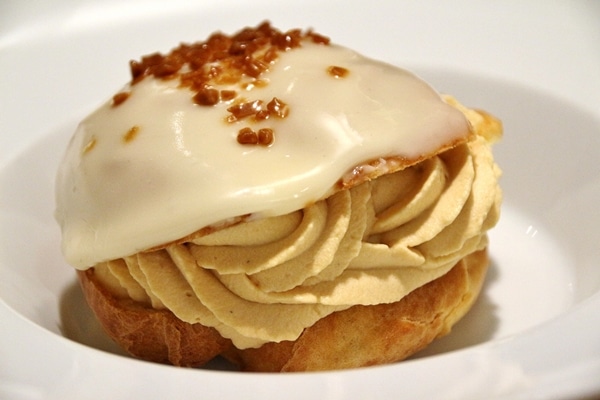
(267, 280)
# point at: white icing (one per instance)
(184, 169)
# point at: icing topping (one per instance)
(163, 159)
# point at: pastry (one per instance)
(280, 201)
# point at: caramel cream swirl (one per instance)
(266, 280)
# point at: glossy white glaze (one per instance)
(183, 168)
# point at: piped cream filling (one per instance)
(267, 280)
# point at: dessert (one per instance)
(280, 201)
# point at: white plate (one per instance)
(535, 332)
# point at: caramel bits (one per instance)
(278, 108)
(120, 98)
(221, 59)
(337, 72)
(236, 61)
(131, 134)
(244, 110)
(263, 137)
(207, 97)
(258, 110)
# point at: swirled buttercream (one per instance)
(371, 244)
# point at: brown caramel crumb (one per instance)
(137, 70)
(255, 108)
(131, 134)
(270, 55)
(243, 110)
(288, 40)
(265, 136)
(262, 115)
(240, 58)
(278, 108)
(317, 38)
(247, 136)
(166, 69)
(254, 68)
(337, 72)
(207, 97)
(255, 83)
(260, 83)
(227, 95)
(119, 98)
(88, 147)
